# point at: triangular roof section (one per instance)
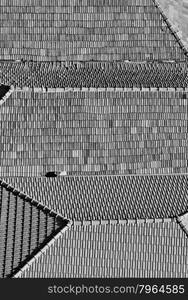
(183, 221)
(26, 227)
(85, 30)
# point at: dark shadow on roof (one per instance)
(3, 90)
(26, 227)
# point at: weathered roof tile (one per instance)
(86, 30)
(115, 250)
(94, 132)
(109, 197)
(25, 229)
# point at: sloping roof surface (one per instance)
(133, 249)
(109, 197)
(92, 74)
(25, 227)
(85, 30)
(94, 132)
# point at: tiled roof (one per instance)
(109, 197)
(96, 89)
(84, 30)
(152, 248)
(94, 132)
(26, 226)
(97, 75)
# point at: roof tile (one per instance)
(83, 30)
(143, 250)
(109, 197)
(93, 132)
(25, 229)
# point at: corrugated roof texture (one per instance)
(85, 30)
(97, 75)
(152, 249)
(94, 132)
(109, 197)
(24, 228)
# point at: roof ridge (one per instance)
(65, 63)
(84, 89)
(106, 175)
(171, 28)
(43, 250)
(122, 222)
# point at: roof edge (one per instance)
(182, 220)
(42, 250)
(34, 202)
(172, 28)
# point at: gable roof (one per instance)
(75, 30)
(109, 197)
(26, 227)
(153, 74)
(151, 248)
(89, 132)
